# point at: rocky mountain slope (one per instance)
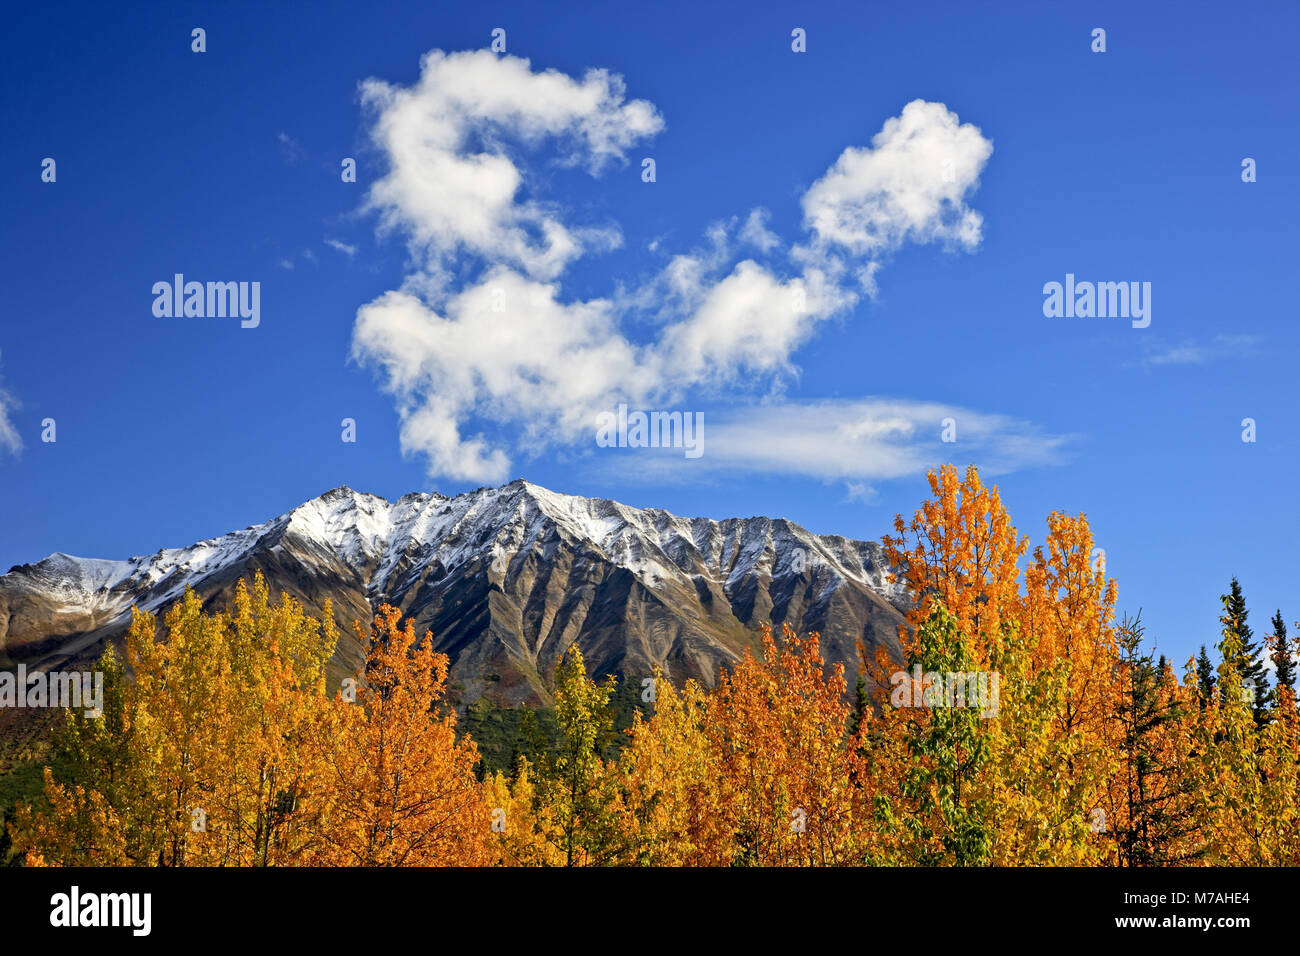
(506, 578)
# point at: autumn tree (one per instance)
(201, 756)
(519, 820)
(269, 789)
(1036, 822)
(1229, 771)
(1048, 626)
(675, 796)
(776, 726)
(80, 822)
(961, 551)
(401, 787)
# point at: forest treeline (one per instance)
(220, 745)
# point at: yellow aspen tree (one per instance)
(518, 821)
(942, 811)
(203, 755)
(78, 828)
(1028, 788)
(89, 816)
(672, 782)
(1070, 610)
(180, 685)
(267, 779)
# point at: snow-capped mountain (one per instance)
(505, 578)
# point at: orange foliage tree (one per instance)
(402, 787)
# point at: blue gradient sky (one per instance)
(1115, 166)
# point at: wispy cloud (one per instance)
(874, 439)
(860, 442)
(481, 340)
(10, 440)
(290, 149)
(341, 246)
(1193, 352)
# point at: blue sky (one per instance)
(225, 165)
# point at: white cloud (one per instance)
(858, 443)
(10, 440)
(504, 349)
(756, 233)
(747, 322)
(1191, 352)
(452, 186)
(910, 185)
(860, 491)
(871, 439)
(341, 246)
(290, 149)
(485, 355)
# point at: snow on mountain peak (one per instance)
(354, 525)
(375, 537)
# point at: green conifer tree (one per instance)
(1284, 664)
(1247, 663)
(1205, 679)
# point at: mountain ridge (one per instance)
(506, 578)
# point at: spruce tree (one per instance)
(861, 701)
(1247, 661)
(861, 704)
(1157, 818)
(1205, 676)
(529, 742)
(1285, 672)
